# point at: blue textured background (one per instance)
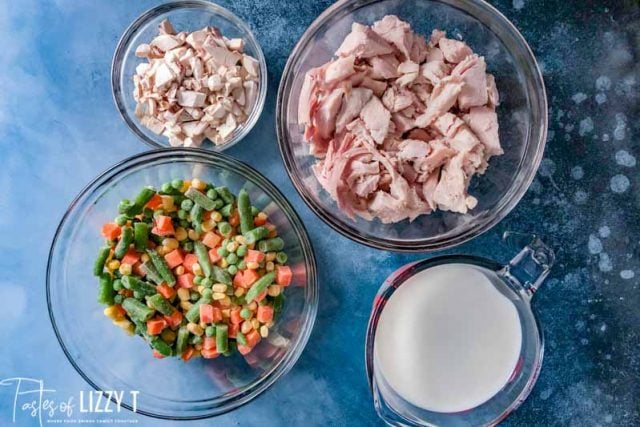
(59, 128)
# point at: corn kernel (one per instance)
(168, 335)
(253, 306)
(271, 256)
(219, 287)
(255, 323)
(226, 312)
(179, 270)
(208, 225)
(262, 216)
(195, 329)
(231, 247)
(216, 216)
(223, 263)
(180, 234)
(185, 305)
(217, 296)
(167, 202)
(185, 186)
(239, 292)
(197, 270)
(200, 288)
(170, 243)
(113, 313)
(126, 325)
(274, 290)
(183, 294)
(202, 324)
(125, 269)
(264, 331)
(252, 265)
(193, 234)
(113, 265)
(162, 250)
(240, 239)
(144, 258)
(196, 352)
(198, 184)
(225, 302)
(246, 327)
(270, 266)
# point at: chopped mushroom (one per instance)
(194, 85)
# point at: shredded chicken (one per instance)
(195, 85)
(400, 124)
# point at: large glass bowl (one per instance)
(189, 15)
(522, 117)
(108, 359)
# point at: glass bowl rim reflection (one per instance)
(120, 58)
(224, 162)
(484, 221)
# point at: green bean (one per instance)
(218, 203)
(182, 339)
(259, 286)
(125, 240)
(241, 338)
(244, 210)
(121, 220)
(105, 290)
(225, 194)
(143, 198)
(137, 285)
(254, 211)
(278, 303)
(141, 235)
(271, 245)
(137, 310)
(203, 257)
(200, 199)
(281, 258)
(162, 267)
(187, 245)
(256, 234)
(196, 214)
(98, 266)
(158, 302)
(151, 272)
(225, 228)
(126, 207)
(221, 276)
(141, 328)
(222, 338)
(196, 339)
(226, 210)
(147, 213)
(193, 315)
(161, 346)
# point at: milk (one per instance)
(447, 340)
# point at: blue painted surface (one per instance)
(59, 128)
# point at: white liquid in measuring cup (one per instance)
(447, 340)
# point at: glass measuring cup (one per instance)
(518, 280)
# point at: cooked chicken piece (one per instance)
(363, 42)
(325, 116)
(483, 121)
(454, 51)
(384, 67)
(443, 97)
(354, 101)
(376, 119)
(474, 93)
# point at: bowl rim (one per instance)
(119, 58)
(310, 313)
(512, 196)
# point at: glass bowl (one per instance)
(190, 15)
(522, 117)
(108, 359)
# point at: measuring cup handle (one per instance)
(532, 264)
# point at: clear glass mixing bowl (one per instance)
(522, 118)
(189, 15)
(108, 359)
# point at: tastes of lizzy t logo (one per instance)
(32, 399)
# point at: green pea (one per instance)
(242, 250)
(206, 282)
(245, 313)
(207, 293)
(232, 258)
(177, 184)
(158, 212)
(187, 204)
(195, 297)
(242, 265)
(121, 220)
(212, 194)
(182, 214)
(118, 299)
(117, 285)
(281, 257)
(197, 280)
(222, 251)
(184, 223)
(232, 269)
(196, 340)
(166, 187)
(187, 245)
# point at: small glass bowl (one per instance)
(522, 117)
(190, 15)
(108, 359)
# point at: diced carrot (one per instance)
(111, 231)
(235, 316)
(155, 202)
(234, 219)
(165, 290)
(214, 256)
(249, 277)
(262, 295)
(217, 314)
(156, 325)
(265, 313)
(238, 279)
(131, 257)
(157, 354)
(283, 275)
(253, 338)
(164, 226)
(243, 349)
(206, 313)
(272, 229)
(233, 330)
(188, 262)
(254, 256)
(175, 319)
(209, 354)
(138, 270)
(121, 311)
(187, 354)
(209, 343)
(211, 239)
(174, 258)
(259, 221)
(186, 280)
